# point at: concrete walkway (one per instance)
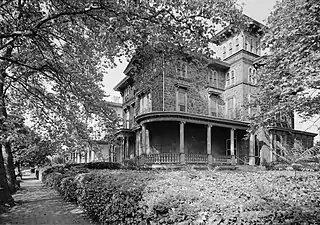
(36, 204)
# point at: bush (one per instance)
(102, 165)
(192, 197)
(109, 197)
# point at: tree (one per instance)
(53, 52)
(289, 80)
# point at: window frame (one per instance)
(228, 79)
(178, 103)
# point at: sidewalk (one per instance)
(36, 204)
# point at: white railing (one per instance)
(222, 160)
(162, 158)
(196, 158)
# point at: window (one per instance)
(245, 43)
(145, 103)
(237, 44)
(257, 47)
(127, 118)
(230, 48)
(224, 51)
(227, 79)
(182, 100)
(252, 75)
(251, 45)
(213, 78)
(228, 152)
(232, 82)
(213, 107)
(182, 69)
(231, 107)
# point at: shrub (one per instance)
(113, 198)
(69, 189)
(102, 165)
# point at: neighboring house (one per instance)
(178, 113)
(100, 150)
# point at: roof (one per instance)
(252, 26)
(260, 61)
(123, 83)
(219, 64)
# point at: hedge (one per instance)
(192, 197)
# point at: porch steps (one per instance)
(249, 168)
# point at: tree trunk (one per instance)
(9, 167)
(5, 196)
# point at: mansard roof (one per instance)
(251, 26)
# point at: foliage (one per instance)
(31, 149)
(196, 197)
(53, 55)
(289, 79)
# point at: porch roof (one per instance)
(293, 131)
(159, 116)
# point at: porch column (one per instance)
(136, 151)
(122, 150)
(271, 146)
(233, 158)
(92, 155)
(78, 157)
(147, 142)
(209, 144)
(112, 153)
(127, 153)
(89, 155)
(252, 159)
(143, 144)
(182, 154)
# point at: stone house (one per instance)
(177, 113)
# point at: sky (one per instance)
(256, 9)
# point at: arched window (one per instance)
(257, 47)
(232, 78)
(227, 79)
(245, 43)
(224, 51)
(237, 44)
(215, 78)
(252, 76)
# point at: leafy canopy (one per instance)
(53, 53)
(290, 78)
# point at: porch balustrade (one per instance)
(162, 158)
(196, 158)
(174, 158)
(222, 160)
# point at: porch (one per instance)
(182, 138)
